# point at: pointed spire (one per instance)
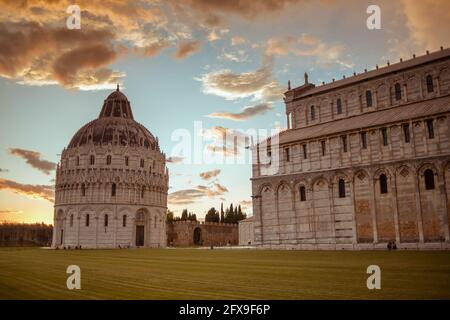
(306, 78)
(117, 87)
(289, 84)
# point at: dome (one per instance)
(115, 125)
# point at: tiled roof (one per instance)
(442, 54)
(372, 119)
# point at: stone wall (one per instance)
(246, 235)
(182, 234)
(25, 234)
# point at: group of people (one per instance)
(392, 245)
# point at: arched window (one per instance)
(78, 161)
(430, 86)
(398, 91)
(83, 190)
(142, 163)
(302, 193)
(341, 188)
(430, 128)
(383, 184)
(429, 179)
(339, 106)
(124, 220)
(106, 220)
(369, 98)
(108, 160)
(313, 112)
(92, 160)
(142, 192)
(113, 190)
(71, 220)
(87, 220)
(126, 161)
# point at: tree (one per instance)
(222, 214)
(184, 215)
(169, 217)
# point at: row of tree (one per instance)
(233, 214)
(185, 216)
(230, 215)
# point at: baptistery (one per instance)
(111, 184)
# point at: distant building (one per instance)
(246, 234)
(111, 184)
(365, 161)
(195, 233)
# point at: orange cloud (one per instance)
(33, 158)
(209, 174)
(187, 48)
(45, 192)
(245, 114)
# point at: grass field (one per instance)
(34, 273)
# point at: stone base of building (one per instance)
(356, 246)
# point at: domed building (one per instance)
(111, 184)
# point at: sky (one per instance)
(191, 69)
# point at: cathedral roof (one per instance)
(115, 125)
(368, 120)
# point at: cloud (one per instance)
(213, 12)
(188, 196)
(10, 211)
(257, 84)
(155, 48)
(209, 174)
(33, 158)
(225, 141)
(428, 22)
(45, 192)
(237, 40)
(245, 114)
(174, 159)
(187, 48)
(308, 46)
(4, 170)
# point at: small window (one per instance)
(384, 136)
(106, 220)
(339, 106)
(324, 146)
(142, 192)
(113, 190)
(126, 161)
(383, 184)
(429, 179)
(92, 160)
(364, 140)
(430, 86)
(344, 143)
(305, 152)
(108, 160)
(71, 220)
(430, 128)
(406, 133)
(124, 220)
(341, 188)
(286, 154)
(87, 220)
(83, 190)
(142, 163)
(369, 98)
(302, 191)
(78, 161)
(313, 112)
(398, 91)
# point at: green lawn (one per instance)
(33, 273)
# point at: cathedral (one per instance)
(364, 162)
(111, 184)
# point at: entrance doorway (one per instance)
(140, 236)
(198, 236)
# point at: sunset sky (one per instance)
(224, 64)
